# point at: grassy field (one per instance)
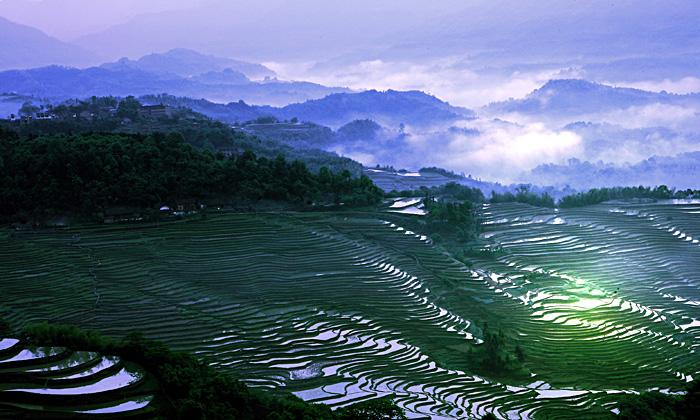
(343, 307)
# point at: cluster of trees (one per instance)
(497, 356)
(28, 109)
(87, 173)
(451, 190)
(451, 210)
(593, 196)
(452, 218)
(658, 406)
(600, 195)
(525, 196)
(440, 171)
(191, 389)
(387, 168)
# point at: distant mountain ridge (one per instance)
(189, 63)
(60, 82)
(22, 46)
(576, 96)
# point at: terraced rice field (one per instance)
(58, 383)
(342, 307)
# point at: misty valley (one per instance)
(379, 210)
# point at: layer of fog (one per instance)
(452, 79)
(509, 148)
(506, 147)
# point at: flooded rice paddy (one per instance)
(343, 307)
(58, 383)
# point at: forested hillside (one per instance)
(88, 173)
(115, 115)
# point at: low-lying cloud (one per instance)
(502, 152)
(681, 86)
(498, 150)
(653, 115)
(450, 79)
(493, 150)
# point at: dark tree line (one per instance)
(600, 195)
(88, 173)
(658, 406)
(525, 196)
(451, 190)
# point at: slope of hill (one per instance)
(223, 77)
(68, 82)
(575, 97)
(373, 307)
(23, 47)
(232, 112)
(122, 79)
(389, 108)
(188, 63)
(196, 129)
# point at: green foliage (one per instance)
(108, 116)
(525, 196)
(447, 218)
(496, 355)
(655, 405)
(376, 409)
(190, 389)
(600, 195)
(305, 136)
(650, 405)
(265, 120)
(28, 109)
(440, 171)
(451, 190)
(129, 108)
(89, 173)
(519, 354)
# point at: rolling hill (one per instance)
(388, 108)
(571, 97)
(122, 79)
(340, 307)
(189, 63)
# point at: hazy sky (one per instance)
(469, 52)
(69, 19)
(82, 17)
